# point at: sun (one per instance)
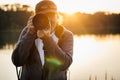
(87, 6)
(72, 6)
(61, 5)
(66, 6)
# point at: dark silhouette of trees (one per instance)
(98, 23)
(13, 18)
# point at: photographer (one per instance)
(45, 48)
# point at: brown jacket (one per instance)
(58, 57)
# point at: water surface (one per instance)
(93, 56)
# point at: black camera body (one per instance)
(41, 21)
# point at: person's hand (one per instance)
(30, 26)
(43, 33)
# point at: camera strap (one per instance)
(18, 71)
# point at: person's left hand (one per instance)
(31, 28)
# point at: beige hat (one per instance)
(45, 6)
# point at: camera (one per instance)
(41, 21)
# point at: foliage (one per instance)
(98, 23)
(13, 18)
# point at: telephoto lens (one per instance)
(41, 21)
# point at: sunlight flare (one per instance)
(71, 6)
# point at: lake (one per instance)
(95, 57)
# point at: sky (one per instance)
(70, 6)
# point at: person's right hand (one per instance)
(43, 33)
(31, 28)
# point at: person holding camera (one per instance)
(45, 48)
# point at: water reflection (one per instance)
(96, 55)
(93, 57)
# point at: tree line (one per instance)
(97, 23)
(13, 18)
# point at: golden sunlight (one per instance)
(92, 6)
(71, 6)
(86, 46)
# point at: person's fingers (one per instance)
(47, 32)
(30, 26)
(40, 33)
